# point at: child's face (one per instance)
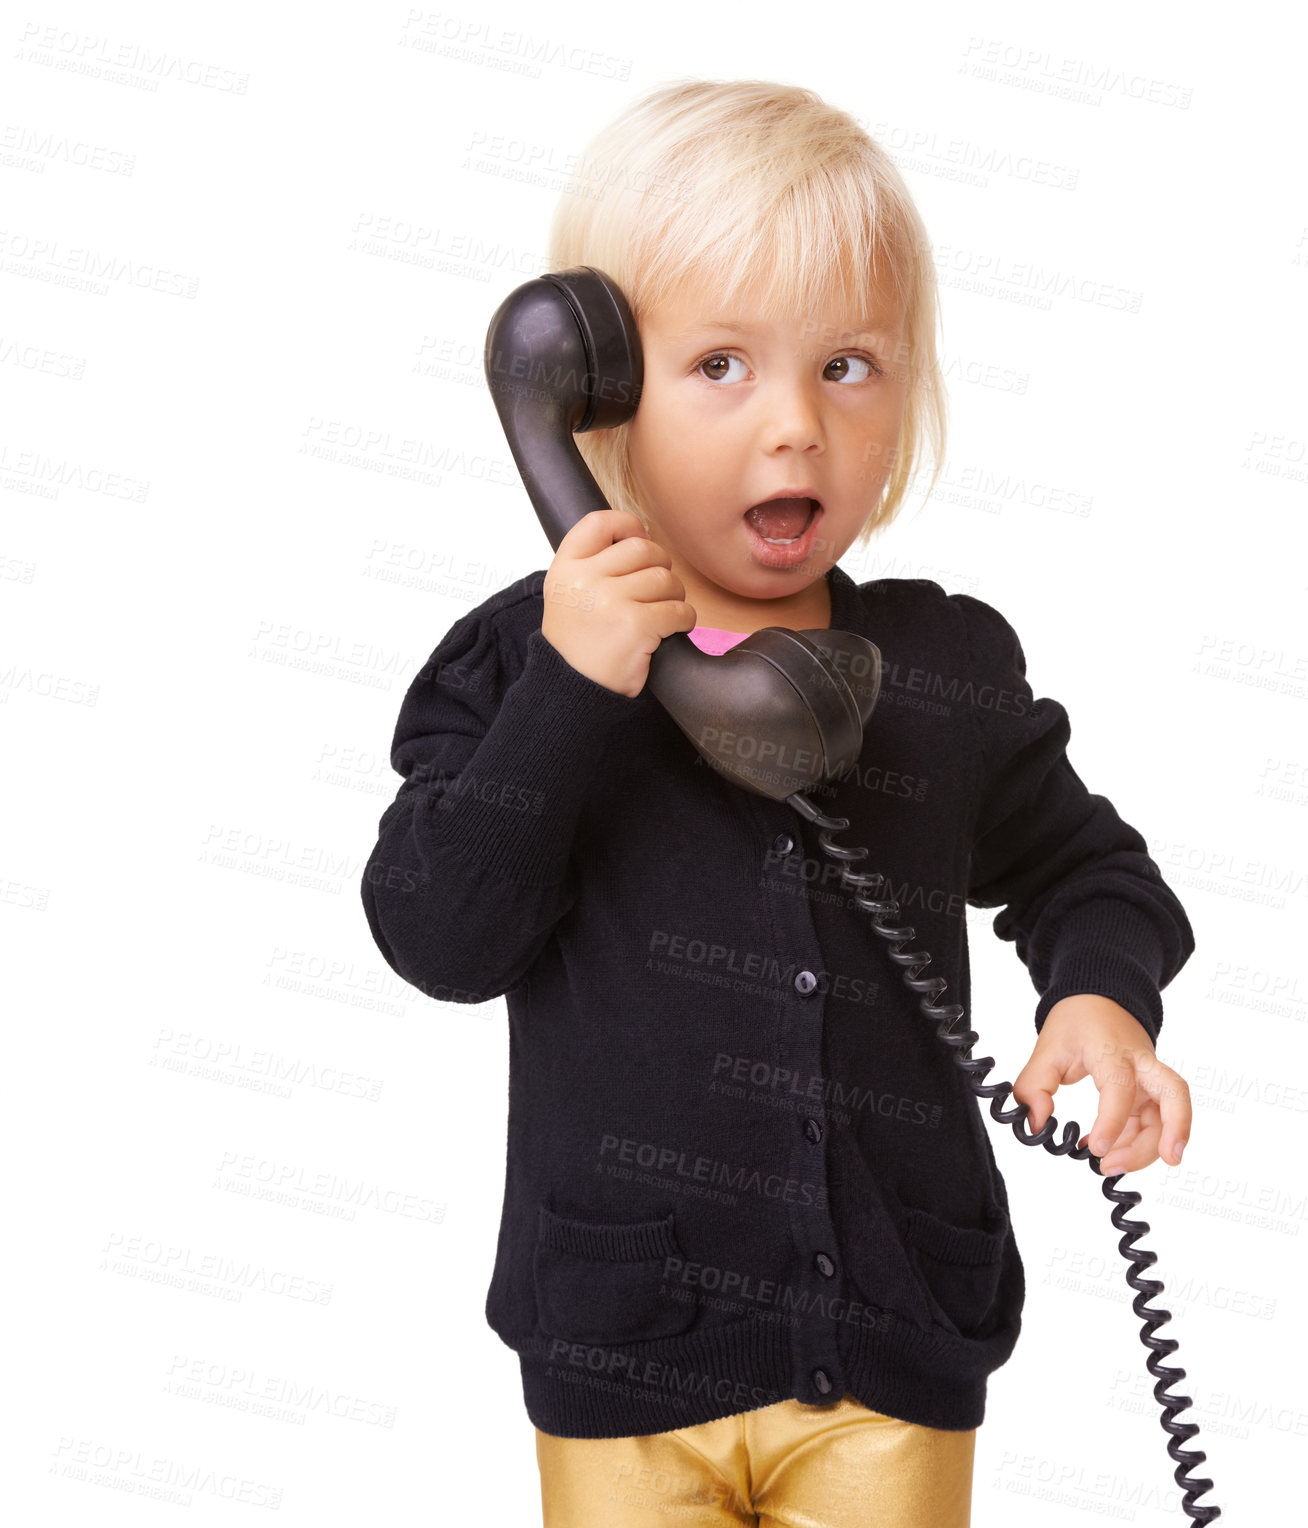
(730, 417)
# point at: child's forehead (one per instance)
(692, 304)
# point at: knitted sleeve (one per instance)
(470, 872)
(1084, 904)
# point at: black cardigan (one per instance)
(741, 1166)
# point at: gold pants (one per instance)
(839, 1466)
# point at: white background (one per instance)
(251, 476)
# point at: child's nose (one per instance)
(793, 416)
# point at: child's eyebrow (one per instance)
(691, 330)
(866, 328)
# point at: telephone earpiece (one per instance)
(777, 712)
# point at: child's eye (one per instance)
(847, 368)
(720, 362)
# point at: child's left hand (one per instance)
(1140, 1100)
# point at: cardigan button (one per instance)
(805, 982)
(822, 1381)
(824, 1265)
(782, 843)
(813, 1130)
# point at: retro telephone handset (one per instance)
(562, 356)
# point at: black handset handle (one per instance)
(775, 714)
(562, 356)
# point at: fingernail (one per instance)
(1100, 1145)
(1180, 1147)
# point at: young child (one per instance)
(755, 1256)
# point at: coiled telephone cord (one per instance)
(947, 1017)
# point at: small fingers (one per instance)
(1117, 1095)
(1035, 1087)
(1136, 1147)
(1172, 1094)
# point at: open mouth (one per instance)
(782, 522)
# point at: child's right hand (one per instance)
(610, 598)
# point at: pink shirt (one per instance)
(712, 639)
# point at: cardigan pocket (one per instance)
(602, 1282)
(960, 1266)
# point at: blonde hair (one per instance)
(748, 184)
